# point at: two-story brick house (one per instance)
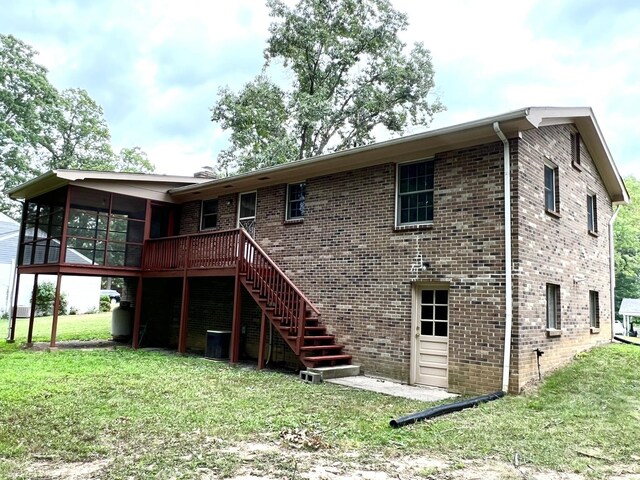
(421, 259)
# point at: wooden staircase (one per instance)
(287, 308)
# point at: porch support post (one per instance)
(32, 313)
(56, 307)
(184, 316)
(11, 337)
(137, 313)
(263, 334)
(236, 324)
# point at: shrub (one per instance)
(105, 303)
(45, 298)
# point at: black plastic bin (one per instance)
(217, 346)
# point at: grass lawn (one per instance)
(154, 415)
(95, 326)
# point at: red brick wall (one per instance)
(559, 251)
(351, 262)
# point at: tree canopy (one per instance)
(42, 128)
(627, 245)
(352, 75)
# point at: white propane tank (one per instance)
(121, 325)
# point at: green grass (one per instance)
(95, 326)
(159, 416)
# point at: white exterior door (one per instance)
(430, 352)
(247, 212)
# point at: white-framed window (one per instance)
(551, 200)
(594, 309)
(209, 214)
(434, 312)
(414, 193)
(553, 306)
(295, 201)
(592, 213)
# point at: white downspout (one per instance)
(612, 270)
(508, 322)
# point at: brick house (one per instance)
(422, 259)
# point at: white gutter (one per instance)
(508, 322)
(612, 270)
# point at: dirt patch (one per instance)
(277, 461)
(68, 471)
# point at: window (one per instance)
(295, 201)
(434, 312)
(575, 150)
(553, 307)
(594, 309)
(415, 193)
(551, 188)
(209, 218)
(592, 214)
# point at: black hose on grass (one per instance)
(624, 340)
(444, 409)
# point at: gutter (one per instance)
(508, 324)
(612, 271)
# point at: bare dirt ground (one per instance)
(277, 461)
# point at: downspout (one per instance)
(508, 323)
(612, 270)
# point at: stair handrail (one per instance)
(296, 320)
(277, 269)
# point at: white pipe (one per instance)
(508, 321)
(612, 271)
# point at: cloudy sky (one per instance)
(155, 65)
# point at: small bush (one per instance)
(45, 298)
(105, 303)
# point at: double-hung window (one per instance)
(594, 309)
(209, 217)
(415, 193)
(553, 307)
(592, 213)
(295, 201)
(551, 203)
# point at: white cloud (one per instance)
(155, 66)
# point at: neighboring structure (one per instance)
(629, 309)
(422, 258)
(83, 293)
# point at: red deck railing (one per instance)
(224, 249)
(198, 251)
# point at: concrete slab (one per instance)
(388, 387)
(337, 371)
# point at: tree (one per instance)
(627, 245)
(350, 72)
(43, 129)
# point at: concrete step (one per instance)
(339, 371)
